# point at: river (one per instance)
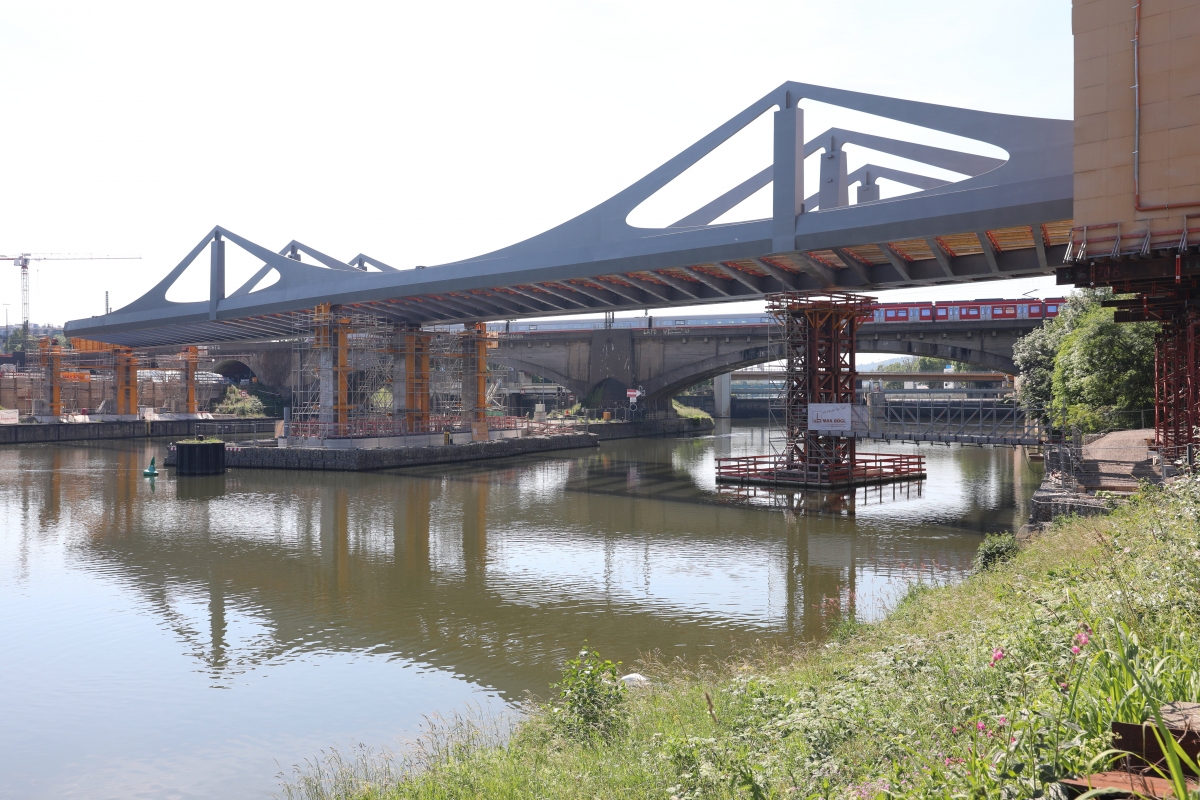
(194, 637)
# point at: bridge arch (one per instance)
(235, 369)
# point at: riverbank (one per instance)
(1004, 683)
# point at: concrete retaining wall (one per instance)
(82, 431)
(650, 427)
(313, 458)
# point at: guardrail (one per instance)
(866, 468)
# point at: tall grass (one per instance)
(997, 686)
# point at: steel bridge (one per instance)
(1006, 218)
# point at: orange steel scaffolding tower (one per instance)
(819, 334)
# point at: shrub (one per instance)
(591, 698)
(240, 403)
(996, 549)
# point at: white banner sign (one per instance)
(10, 416)
(829, 417)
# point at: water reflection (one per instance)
(490, 574)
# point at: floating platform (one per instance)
(867, 468)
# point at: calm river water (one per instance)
(192, 638)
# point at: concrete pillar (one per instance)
(833, 192)
(788, 180)
(216, 275)
(190, 355)
(722, 400)
(327, 391)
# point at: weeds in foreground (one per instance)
(998, 686)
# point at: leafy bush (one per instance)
(240, 403)
(590, 700)
(996, 549)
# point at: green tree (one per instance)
(1092, 371)
(1104, 372)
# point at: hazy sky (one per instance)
(426, 133)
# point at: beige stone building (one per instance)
(1137, 121)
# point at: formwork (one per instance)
(818, 337)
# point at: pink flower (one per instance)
(947, 761)
(1081, 638)
(1013, 740)
(979, 725)
(1074, 651)
(954, 729)
(1003, 720)
(997, 657)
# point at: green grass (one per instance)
(689, 412)
(970, 690)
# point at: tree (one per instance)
(1092, 371)
(1104, 372)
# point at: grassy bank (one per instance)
(999, 685)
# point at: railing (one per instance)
(866, 468)
(248, 433)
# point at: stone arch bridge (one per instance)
(665, 361)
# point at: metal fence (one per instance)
(243, 433)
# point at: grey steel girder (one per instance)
(599, 262)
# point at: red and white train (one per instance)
(984, 310)
(988, 308)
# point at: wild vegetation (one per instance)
(689, 412)
(240, 403)
(1086, 369)
(994, 687)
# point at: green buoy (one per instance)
(150, 471)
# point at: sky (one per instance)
(427, 133)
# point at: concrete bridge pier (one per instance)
(722, 397)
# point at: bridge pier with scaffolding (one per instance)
(819, 400)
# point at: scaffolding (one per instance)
(819, 333)
(94, 379)
(341, 379)
(1177, 394)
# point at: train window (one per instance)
(681, 322)
(997, 310)
(763, 319)
(1051, 309)
(926, 312)
(1010, 309)
(902, 313)
(941, 312)
(532, 328)
(891, 312)
(973, 312)
(1035, 309)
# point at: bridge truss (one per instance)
(1007, 217)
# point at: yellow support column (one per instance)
(189, 377)
(414, 349)
(50, 356)
(126, 381)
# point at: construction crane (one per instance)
(22, 260)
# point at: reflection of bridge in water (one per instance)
(493, 574)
